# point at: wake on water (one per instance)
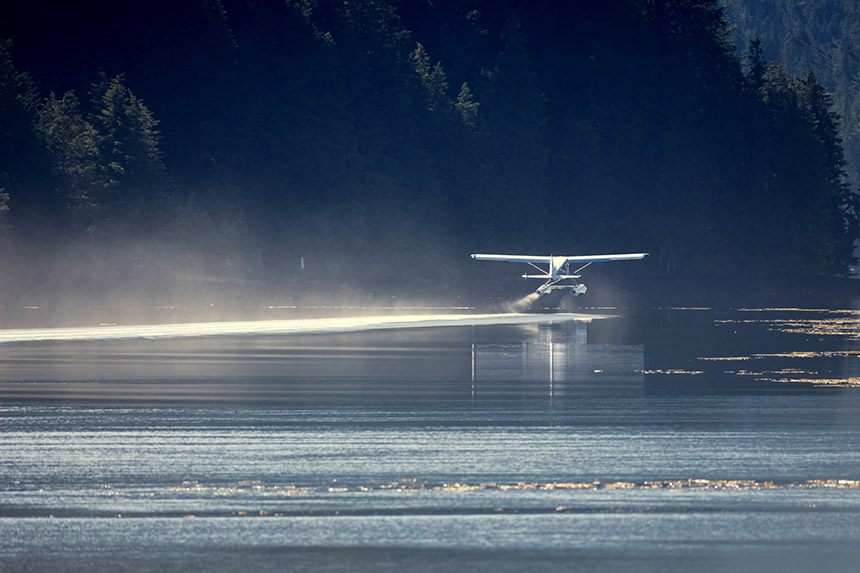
(281, 327)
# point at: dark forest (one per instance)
(149, 146)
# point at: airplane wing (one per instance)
(605, 258)
(547, 259)
(513, 258)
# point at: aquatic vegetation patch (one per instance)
(672, 371)
(412, 484)
(853, 382)
(843, 322)
(793, 354)
(819, 310)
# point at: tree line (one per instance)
(820, 36)
(383, 141)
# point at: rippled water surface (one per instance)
(666, 440)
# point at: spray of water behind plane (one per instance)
(278, 327)
(521, 304)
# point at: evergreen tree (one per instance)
(756, 66)
(831, 206)
(72, 143)
(433, 79)
(131, 170)
(466, 106)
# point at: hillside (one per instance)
(154, 144)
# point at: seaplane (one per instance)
(557, 273)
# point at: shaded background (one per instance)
(155, 149)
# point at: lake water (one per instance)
(661, 440)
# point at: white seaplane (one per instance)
(557, 274)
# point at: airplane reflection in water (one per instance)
(557, 359)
